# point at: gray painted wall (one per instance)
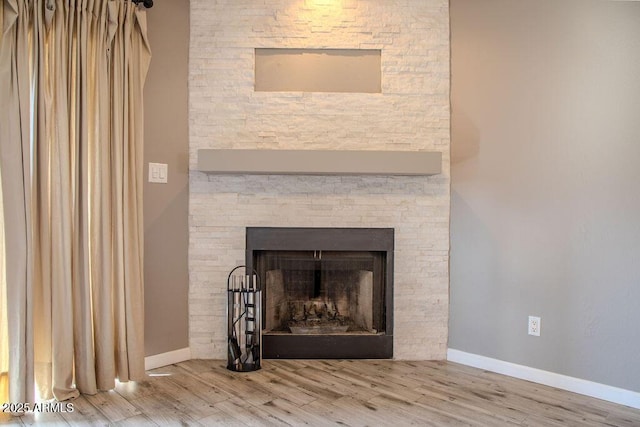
(545, 185)
(166, 205)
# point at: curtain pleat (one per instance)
(15, 138)
(80, 188)
(137, 66)
(102, 224)
(42, 232)
(129, 68)
(4, 337)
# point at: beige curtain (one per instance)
(85, 62)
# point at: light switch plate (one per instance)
(158, 172)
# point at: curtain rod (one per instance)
(146, 3)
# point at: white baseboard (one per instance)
(575, 385)
(169, 358)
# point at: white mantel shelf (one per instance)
(319, 162)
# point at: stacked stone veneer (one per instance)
(411, 113)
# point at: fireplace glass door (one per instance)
(327, 293)
(322, 292)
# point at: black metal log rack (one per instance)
(244, 320)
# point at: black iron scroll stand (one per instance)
(244, 320)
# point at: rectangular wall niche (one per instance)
(318, 70)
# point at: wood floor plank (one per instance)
(84, 414)
(473, 409)
(282, 389)
(135, 421)
(7, 419)
(302, 412)
(282, 414)
(195, 385)
(134, 389)
(393, 373)
(198, 366)
(464, 395)
(535, 420)
(163, 410)
(336, 414)
(237, 386)
(180, 398)
(547, 399)
(248, 414)
(112, 405)
(221, 418)
(359, 413)
(620, 420)
(345, 387)
(416, 414)
(310, 386)
(53, 419)
(377, 383)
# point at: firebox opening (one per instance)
(323, 292)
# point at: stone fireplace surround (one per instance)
(416, 207)
(411, 114)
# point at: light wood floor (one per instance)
(324, 393)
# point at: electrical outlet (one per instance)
(534, 326)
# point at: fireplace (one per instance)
(327, 292)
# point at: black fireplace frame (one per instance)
(290, 346)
